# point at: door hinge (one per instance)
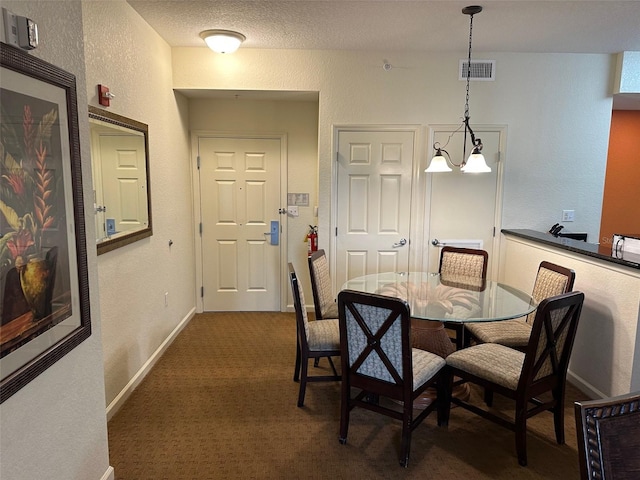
(494, 231)
(336, 231)
(198, 161)
(200, 228)
(201, 292)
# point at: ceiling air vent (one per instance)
(483, 70)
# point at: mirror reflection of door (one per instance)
(464, 208)
(373, 202)
(121, 194)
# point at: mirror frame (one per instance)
(115, 119)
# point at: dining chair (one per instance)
(323, 299)
(315, 339)
(470, 263)
(551, 280)
(324, 302)
(608, 432)
(377, 359)
(524, 376)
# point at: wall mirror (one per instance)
(120, 164)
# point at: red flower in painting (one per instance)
(18, 245)
(16, 182)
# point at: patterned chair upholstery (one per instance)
(551, 280)
(377, 359)
(609, 437)
(524, 376)
(315, 339)
(323, 299)
(469, 264)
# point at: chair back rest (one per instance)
(302, 320)
(551, 280)
(468, 262)
(609, 437)
(374, 337)
(320, 283)
(551, 341)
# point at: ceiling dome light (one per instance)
(222, 41)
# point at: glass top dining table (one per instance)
(457, 298)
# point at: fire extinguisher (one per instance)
(312, 239)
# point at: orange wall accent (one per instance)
(621, 199)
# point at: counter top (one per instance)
(602, 252)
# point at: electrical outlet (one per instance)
(166, 299)
(568, 215)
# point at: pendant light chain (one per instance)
(466, 104)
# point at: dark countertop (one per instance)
(602, 252)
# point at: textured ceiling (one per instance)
(547, 26)
(420, 25)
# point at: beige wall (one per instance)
(299, 121)
(557, 117)
(126, 55)
(55, 427)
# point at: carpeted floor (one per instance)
(221, 403)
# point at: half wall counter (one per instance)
(606, 354)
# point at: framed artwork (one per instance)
(44, 290)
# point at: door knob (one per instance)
(401, 243)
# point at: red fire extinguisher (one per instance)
(312, 239)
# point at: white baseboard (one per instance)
(109, 474)
(119, 400)
(583, 386)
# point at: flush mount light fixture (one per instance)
(222, 41)
(476, 162)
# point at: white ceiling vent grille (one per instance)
(482, 70)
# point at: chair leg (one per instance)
(333, 367)
(488, 397)
(316, 362)
(460, 337)
(558, 413)
(303, 381)
(345, 394)
(296, 373)
(521, 431)
(405, 445)
(444, 387)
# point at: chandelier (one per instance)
(476, 162)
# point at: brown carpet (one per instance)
(221, 403)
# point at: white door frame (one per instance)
(197, 214)
(416, 234)
(494, 254)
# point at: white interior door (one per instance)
(240, 197)
(464, 207)
(374, 181)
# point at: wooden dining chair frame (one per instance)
(608, 432)
(397, 386)
(533, 380)
(303, 350)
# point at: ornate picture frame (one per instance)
(44, 312)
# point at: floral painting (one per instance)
(34, 273)
(44, 282)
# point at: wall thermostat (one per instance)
(20, 31)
